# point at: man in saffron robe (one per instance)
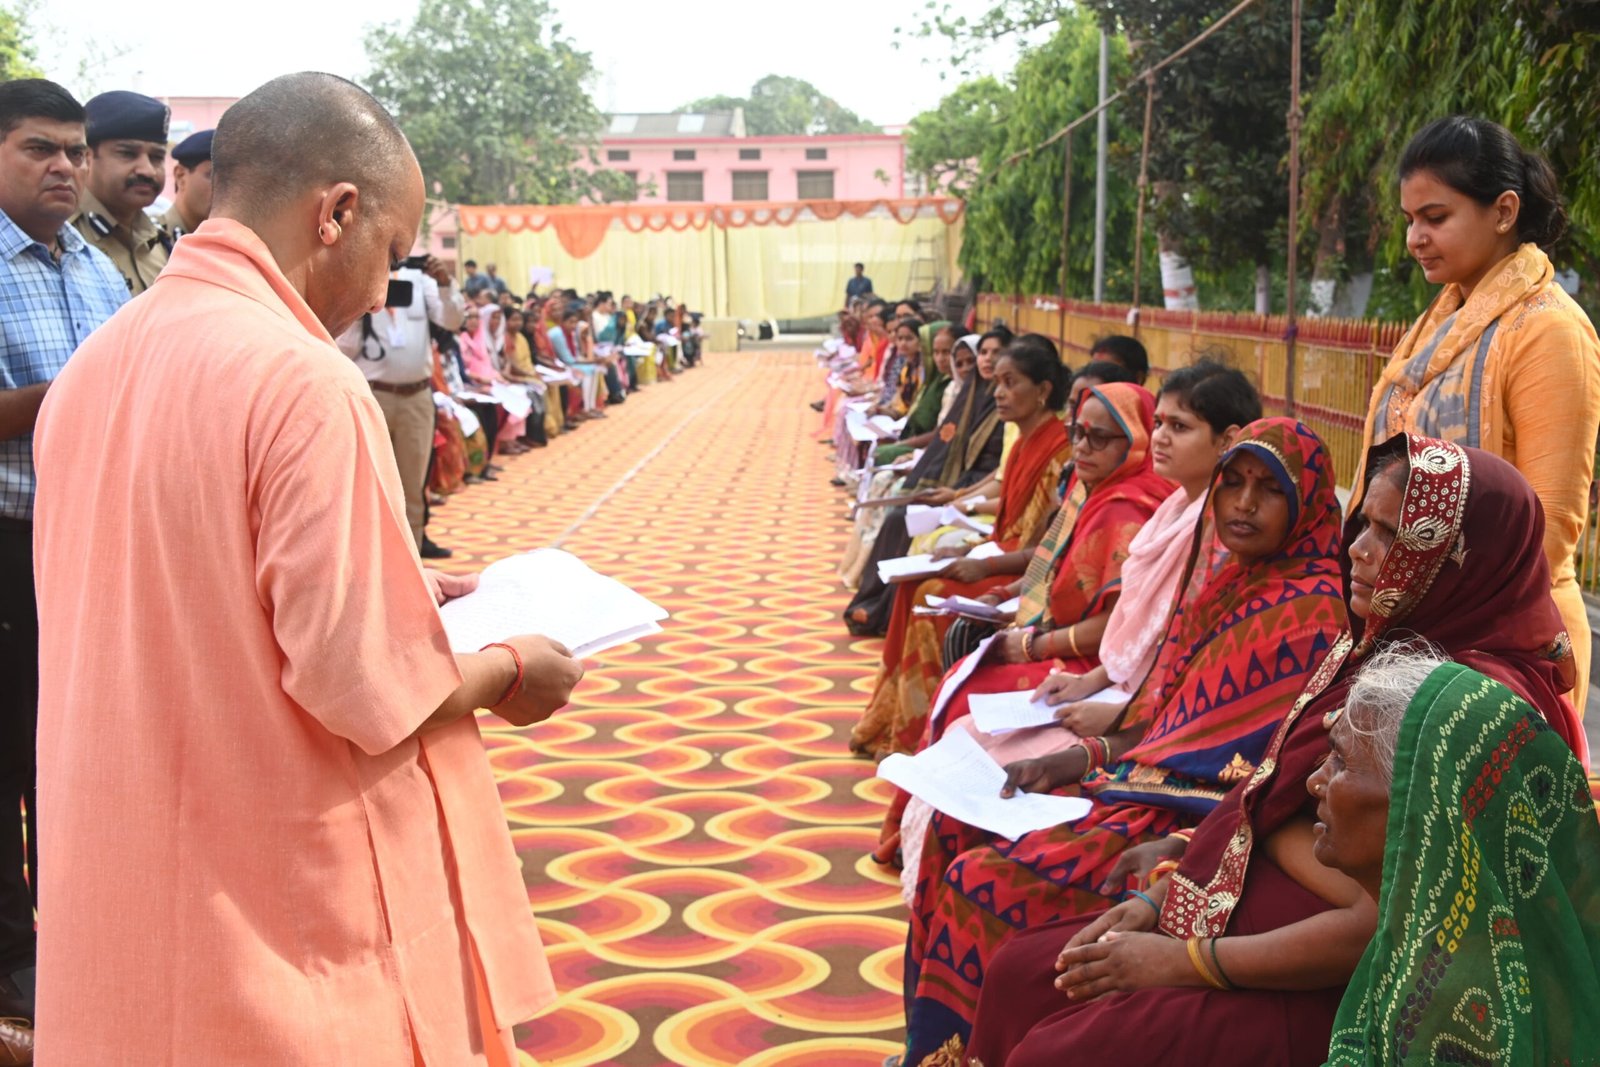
(274, 834)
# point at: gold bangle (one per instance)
(1200, 967)
(1072, 642)
(1027, 645)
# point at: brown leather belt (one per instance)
(407, 389)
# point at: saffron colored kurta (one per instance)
(246, 857)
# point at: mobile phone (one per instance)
(400, 294)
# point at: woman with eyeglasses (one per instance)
(1233, 659)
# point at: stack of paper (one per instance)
(553, 593)
(956, 776)
(909, 568)
(998, 713)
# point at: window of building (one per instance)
(683, 155)
(816, 153)
(750, 185)
(686, 185)
(617, 155)
(691, 123)
(447, 242)
(814, 184)
(749, 153)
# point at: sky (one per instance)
(722, 48)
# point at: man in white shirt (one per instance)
(394, 349)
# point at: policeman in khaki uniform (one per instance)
(191, 187)
(127, 135)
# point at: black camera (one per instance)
(400, 294)
(415, 262)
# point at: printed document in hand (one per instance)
(553, 593)
(956, 776)
(998, 713)
(907, 568)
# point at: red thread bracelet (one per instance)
(516, 683)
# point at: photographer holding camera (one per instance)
(395, 352)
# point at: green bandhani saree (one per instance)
(1488, 941)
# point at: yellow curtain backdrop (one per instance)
(747, 272)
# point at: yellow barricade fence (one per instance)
(1337, 363)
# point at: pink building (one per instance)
(695, 157)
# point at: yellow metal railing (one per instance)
(1337, 363)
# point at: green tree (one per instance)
(1013, 231)
(780, 105)
(1391, 66)
(17, 50)
(945, 144)
(491, 95)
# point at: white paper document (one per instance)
(956, 776)
(907, 568)
(958, 678)
(986, 550)
(555, 377)
(553, 593)
(514, 398)
(973, 609)
(999, 713)
(922, 519)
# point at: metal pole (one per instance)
(1294, 204)
(1066, 233)
(1100, 175)
(1138, 216)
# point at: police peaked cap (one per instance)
(194, 149)
(124, 116)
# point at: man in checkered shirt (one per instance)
(54, 290)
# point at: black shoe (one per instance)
(433, 551)
(487, 476)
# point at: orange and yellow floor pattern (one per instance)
(693, 831)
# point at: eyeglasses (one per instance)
(1095, 439)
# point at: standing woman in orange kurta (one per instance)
(1503, 360)
(248, 703)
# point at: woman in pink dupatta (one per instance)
(474, 340)
(1198, 416)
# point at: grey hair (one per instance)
(1383, 688)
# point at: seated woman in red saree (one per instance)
(1232, 662)
(1448, 547)
(1030, 391)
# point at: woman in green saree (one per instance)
(1471, 823)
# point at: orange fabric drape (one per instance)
(581, 228)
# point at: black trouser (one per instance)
(19, 716)
(614, 393)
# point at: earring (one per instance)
(1503, 227)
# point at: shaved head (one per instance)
(302, 132)
(320, 172)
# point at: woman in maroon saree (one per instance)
(1448, 547)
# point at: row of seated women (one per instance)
(509, 346)
(1215, 902)
(957, 448)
